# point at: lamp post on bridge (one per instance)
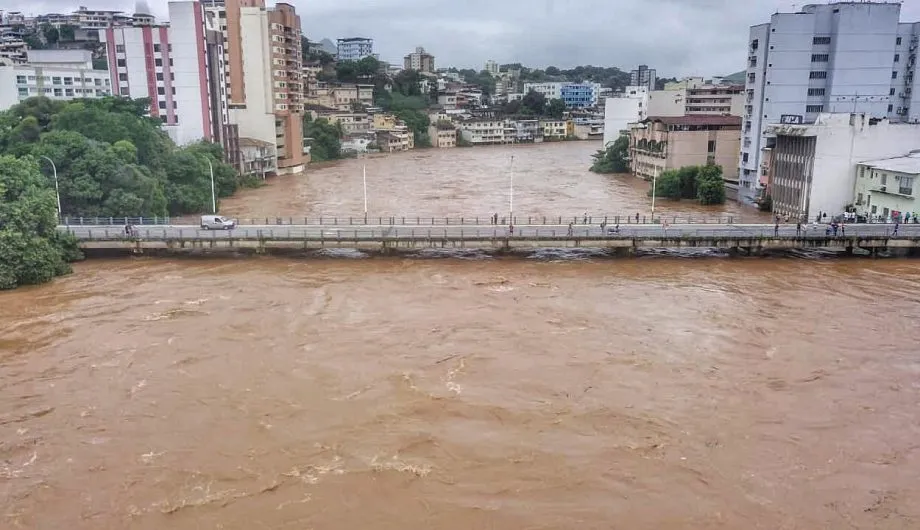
(213, 196)
(511, 193)
(654, 190)
(57, 190)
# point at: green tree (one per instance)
(667, 185)
(533, 103)
(31, 250)
(710, 185)
(51, 34)
(325, 139)
(614, 159)
(67, 32)
(555, 108)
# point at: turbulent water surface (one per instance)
(388, 393)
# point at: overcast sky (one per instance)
(678, 37)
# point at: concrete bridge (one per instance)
(627, 239)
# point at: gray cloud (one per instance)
(678, 37)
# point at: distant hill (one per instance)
(328, 46)
(737, 77)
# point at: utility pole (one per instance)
(57, 190)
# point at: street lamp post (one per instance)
(511, 194)
(364, 177)
(57, 190)
(213, 196)
(654, 186)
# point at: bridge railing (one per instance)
(417, 220)
(162, 233)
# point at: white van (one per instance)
(216, 222)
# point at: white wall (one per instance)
(841, 146)
(187, 46)
(618, 113)
(257, 120)
(667, 102)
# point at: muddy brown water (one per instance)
(392, 393)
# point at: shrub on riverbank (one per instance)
(613, 159)
(31, 249)
(703, 183)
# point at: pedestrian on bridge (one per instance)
(637, 217)
(896, 226)
(571, 230)
(798, 229)
(776, 228)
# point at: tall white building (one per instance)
(179, 68)
(630, 106)
(55, 74)
(492, 68)
(849, 57)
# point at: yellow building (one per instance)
(385, 122)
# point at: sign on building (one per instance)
(791, 119)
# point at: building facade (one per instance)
(643, 76)
(887, 190)
(55, 74)
(442, 135)
(658, 144)
(179, 68)
(814, 166)
(849, 57)
(492, 67)
(580, 95)
(419, 60)
(629, 107)
(354, 48)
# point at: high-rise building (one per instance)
(354, 48)
(419, 60)
(844, 57)
(492, 68)
(179, 68)
(55, 74)
(643, 76)
(263, 82)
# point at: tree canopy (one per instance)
(325, 138)
(703, 183)
(614, 159)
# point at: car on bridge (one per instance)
(217, 222)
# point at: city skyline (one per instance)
(669, 35)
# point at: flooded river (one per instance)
(453, 394)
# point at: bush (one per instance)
(703, 183)
(614, 159)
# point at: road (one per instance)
(298, 232)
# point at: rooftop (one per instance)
(903, 164)
(700, 119)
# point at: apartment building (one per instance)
(419, 60)
(179, 68)
(888, 189)
(841, 57)
(658, 144)
(443, 134)
(346, 96)
(486, 132)
(263, 79)
(643, 76)
(526, 131)
(354, 48)
(398, 139)
(572, 94)
(491, 67)
(55, 74)
(813, 167)
(554, 129)
(12, 49)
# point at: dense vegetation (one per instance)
(31, 250)
(703, 183)
(608, 77)
(534, 104)
(325, 143)
(112, 160)
(614, 159)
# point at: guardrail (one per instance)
(406, 220)
(525, 233)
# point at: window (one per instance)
(158, 62)
(897, 57)
(56, 80)
(884, 179)
(907, 186)
(156, 48)
(894, 75)
(751, 77)
(821, 40)
(744, 158)
(817, 75)
(163, 118)
(815, 91)
(21, 79)
(68, 92)
(68, 80)
(897, 41)
(161, 91)
(170, 61)
(819, 57)
(58, 92)
(120, 48)
(176, 120)
(814, 108)
(890, 109)
(175, 105)
(121, 63)
(124, 90)
(755, 44)
(122, 77)
(169, 48)
(172, 76)
(712, 146)
(159, 76)
(891, 92)
(161, 104)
